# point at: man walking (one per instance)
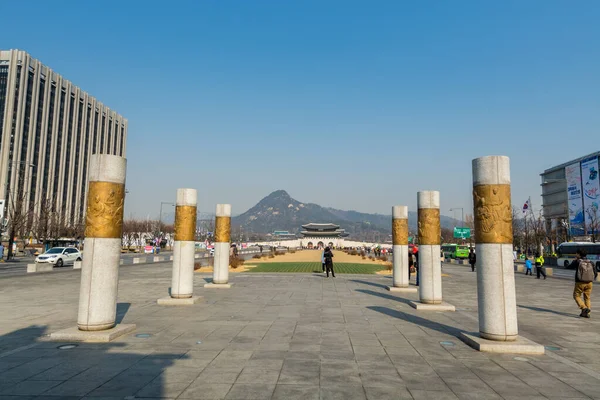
(585, 275)
(539, 265)
(472, 259)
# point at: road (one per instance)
(19, 267)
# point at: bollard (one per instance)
(100, 268)
(400, 267)
(496, 297)
(182, 281)
(222, 239)
(430, 266)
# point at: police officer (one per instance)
(539, 265)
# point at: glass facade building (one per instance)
(48, 129)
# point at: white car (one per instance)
(60, 256)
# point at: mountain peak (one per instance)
(279, 193)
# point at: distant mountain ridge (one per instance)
(279, 211)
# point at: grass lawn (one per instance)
(341, 268)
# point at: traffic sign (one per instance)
(462, 233)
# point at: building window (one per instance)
(101, 150)
(3, 87)
(22, 166)
(95, 142)
(122, 138)
(13, 131)
(38, 139)
(57, 152)
(76, 164)
(86, 142)
(67, 168)
(115, 142)
(109, 137)
(49, 140)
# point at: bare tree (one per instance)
(593, 221)
(448, 235)
(129, 232)
(18, 218)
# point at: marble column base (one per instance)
(75, 335)
(170, 301)
(519, 346)
(443, 306)
(218, 285)
(407, 289)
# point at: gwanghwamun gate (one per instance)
(318, 236)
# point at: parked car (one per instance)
(60, 256)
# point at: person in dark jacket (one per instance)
(328, 255)
(411, 264)
(416, 254)
(472, 259)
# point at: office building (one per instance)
(49, 128)
(571, 195)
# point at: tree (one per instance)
(448, 235)
(129, 232)
(18, 218)
(593, 221)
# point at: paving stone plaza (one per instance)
(291, 336)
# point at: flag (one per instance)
(526, 206)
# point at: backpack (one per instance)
(585, 271)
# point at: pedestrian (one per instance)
(323, 260)
(472, 259)
(1, 252)
(328, 255)
(416, 254)
(539, 265)
(411, 264)
(585, 275)
(528, 270)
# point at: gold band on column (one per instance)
(429, 226)
(399, 231)
(104, 213)
(222, 229)
(185, 223)
(493, 214)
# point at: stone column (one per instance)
(182, 282)
(430, 265)
(494, 248)
(496, 299)
(222, 244)
(102, 251)
(400, 250)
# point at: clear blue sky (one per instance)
(354, 105)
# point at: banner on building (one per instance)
(575, 198)
(591, 194)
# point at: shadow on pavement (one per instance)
(39, 369)
(122, 309)
(446, 329)
(379, 285)
(546, 310)
(384, 296)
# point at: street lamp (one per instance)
(160, 215)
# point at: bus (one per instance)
(455, 251)
(566, 253)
